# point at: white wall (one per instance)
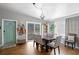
(61, 26)
(21, 18)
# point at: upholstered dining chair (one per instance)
(38, 41)
(35, 38)
(55, 44)
(70, 39)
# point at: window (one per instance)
(30, 28)
(37, 28)
(51, 28)
(33, 28)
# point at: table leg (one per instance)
(46, 48)
(37, 45)
(54, 52)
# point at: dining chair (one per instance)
(55, 44)
(70, 39)
(38, 41)
(36, 38)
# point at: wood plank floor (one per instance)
(28, 49)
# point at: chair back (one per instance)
(48, 35)
(72, 34)
(66, 37)
(38, 39)
(58, 39)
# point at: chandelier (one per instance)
(44, 23)
(38, 7)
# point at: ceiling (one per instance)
(51, 10)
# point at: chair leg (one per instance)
(41, 47)
(72, 45)
(65, 44)
(58, 49)
(51, 48)
(37, 45)
(33, 43)
(54, 52)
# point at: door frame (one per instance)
(34, 27)
(3, 29)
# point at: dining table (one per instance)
(47, 40)
(43, 41)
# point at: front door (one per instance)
(9, 33)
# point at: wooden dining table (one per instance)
(47, 40)
(43, 41)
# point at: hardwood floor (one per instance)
(28, 49)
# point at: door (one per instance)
(9, 33)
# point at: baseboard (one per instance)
(0, 45)
(9, 46)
